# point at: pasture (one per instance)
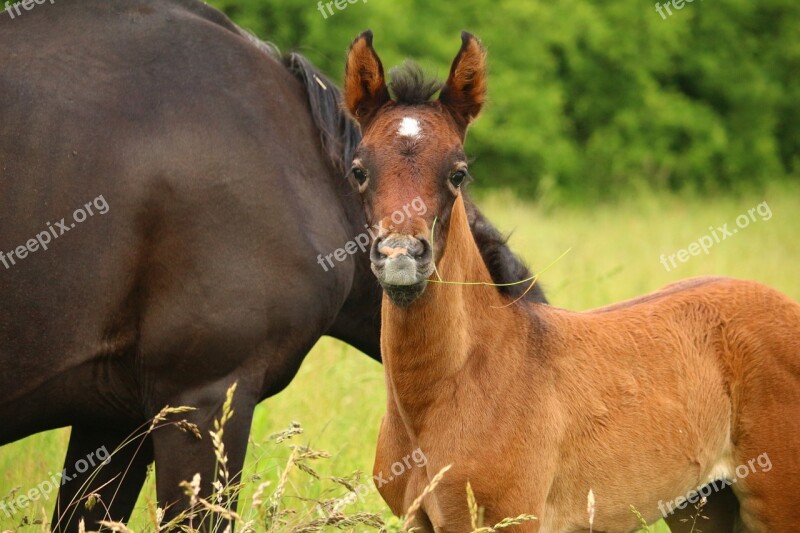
(338, 396)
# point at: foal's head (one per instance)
(410, 165)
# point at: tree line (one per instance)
(589, 98)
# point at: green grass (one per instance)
(339, 398)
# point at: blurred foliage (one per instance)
(590, 98)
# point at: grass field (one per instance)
(338, 396)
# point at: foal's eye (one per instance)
(359, 175)
(458, 177)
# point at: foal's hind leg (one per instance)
(117, 482)
(722, 510)
(766, 428)
(763, 349)
(768, 475)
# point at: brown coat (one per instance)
(641, 402)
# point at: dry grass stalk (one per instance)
(642, 521)
(117, 527)
(294, 429)
(167, 410)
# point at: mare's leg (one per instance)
(722, 511)
(117, 482)
(179, 455)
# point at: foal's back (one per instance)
(689, 382)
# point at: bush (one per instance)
(591, 98)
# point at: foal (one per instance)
(640, 402)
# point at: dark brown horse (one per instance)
(167, 186)
(642, 403)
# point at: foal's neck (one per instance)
(437, 340)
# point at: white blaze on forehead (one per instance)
(409, 127)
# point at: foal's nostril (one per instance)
(375, 254)
(422, 250)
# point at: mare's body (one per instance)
(222, 173)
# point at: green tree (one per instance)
(591, 98)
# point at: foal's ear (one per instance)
(365, 88)
(465, 91)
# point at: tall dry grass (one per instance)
(339, 395)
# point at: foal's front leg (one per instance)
(393, 444)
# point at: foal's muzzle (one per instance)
(402, 264)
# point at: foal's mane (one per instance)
(340, 136)
(410, 86)
(504, 265)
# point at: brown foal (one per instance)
(641, 402)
